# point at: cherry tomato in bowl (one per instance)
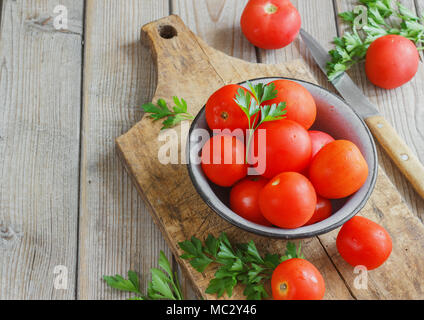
(323, 210)
(221, 168)
(287, 148)
(288, 201)
(319, 139)
(222, 112)
(300, 104)
(270, 24)
(338, 170)
(244, 199)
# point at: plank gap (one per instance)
(336, 17)
(80, 144)
(338, 271)
(1, 14)
(258, 55)
(171, 7)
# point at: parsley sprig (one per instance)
(383, 19)
(164, 285)
(173, 117)
(251, 104)
(239, 264)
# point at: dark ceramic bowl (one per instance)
(335, 117)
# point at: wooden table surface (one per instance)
(66, 202)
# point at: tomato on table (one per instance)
(244, 199)
(338, 170)
(323, 210)
(319, 139)
(363, 242)
(288, 201)
(287, 148)
(391, 61)
(222, 112)
(224, 169)
(300, 104)
(297, 279)
(270, 24)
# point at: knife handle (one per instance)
(398, 151)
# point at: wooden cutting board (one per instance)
(190, 69)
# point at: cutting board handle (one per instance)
(187, 65)
(165, 36)
(177, 51)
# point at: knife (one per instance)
(385, 134)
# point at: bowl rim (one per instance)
(303, 235)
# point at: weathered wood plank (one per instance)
(406, 231)
(325, 32)
(40, 74)
(116, 232)
(176, 206)
(420, 7)
(218, 23)
(402, 108)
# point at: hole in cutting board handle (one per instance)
(167, 32)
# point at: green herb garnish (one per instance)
(239, 264)
(252, 107)
(352, 47)
(164, 285)
(173, 117)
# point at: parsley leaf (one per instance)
(161, 111)
(118, 282)
(221, 286)
(252, 105)
(292, 252)
(194, 252)
(238, 264)
(261, 92)
(164, 285)
(352, 47)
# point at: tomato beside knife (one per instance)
(270, 24)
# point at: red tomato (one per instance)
(288, 201)
(297, 279)
(300, 104)
(244, 199)
(338, 170)
(222, 167)
(363, 242)
(287, 148)
(223, 113)
(322, 211)
(391, 61)
(270, 24)
(319, 139)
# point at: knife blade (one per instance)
(386, 135)
(344, 84)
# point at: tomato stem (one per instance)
(270, 8)
(251, 132)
